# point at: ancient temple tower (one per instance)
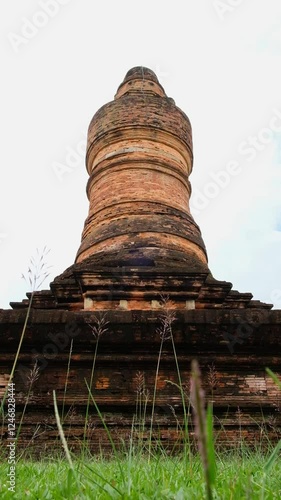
(140, 240)
(141, 246)
(139, 158)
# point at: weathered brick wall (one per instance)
(247, 403)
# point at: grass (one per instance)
(238, 477)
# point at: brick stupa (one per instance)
(141, 246)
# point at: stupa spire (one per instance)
(139, 158)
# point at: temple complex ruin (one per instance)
(141, 281)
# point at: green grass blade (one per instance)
(107, 432)
(273, 457)
(61, 433)
(93, 471)
(210, 445)
(64, 443)
(274, 377)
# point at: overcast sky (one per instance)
(220, 60)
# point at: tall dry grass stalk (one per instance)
(167, 317)
(61, 433)
(98, 328)
(141, 406)
(72, 471)
(37, 273)
(203, 428)
(66, 380)
(31, 378)
(187, 450)
(212, 378)
(140, 388)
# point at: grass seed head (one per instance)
(99, 326)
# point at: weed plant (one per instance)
(37, 273)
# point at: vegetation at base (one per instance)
(238, 477)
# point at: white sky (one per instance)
(223, 70)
